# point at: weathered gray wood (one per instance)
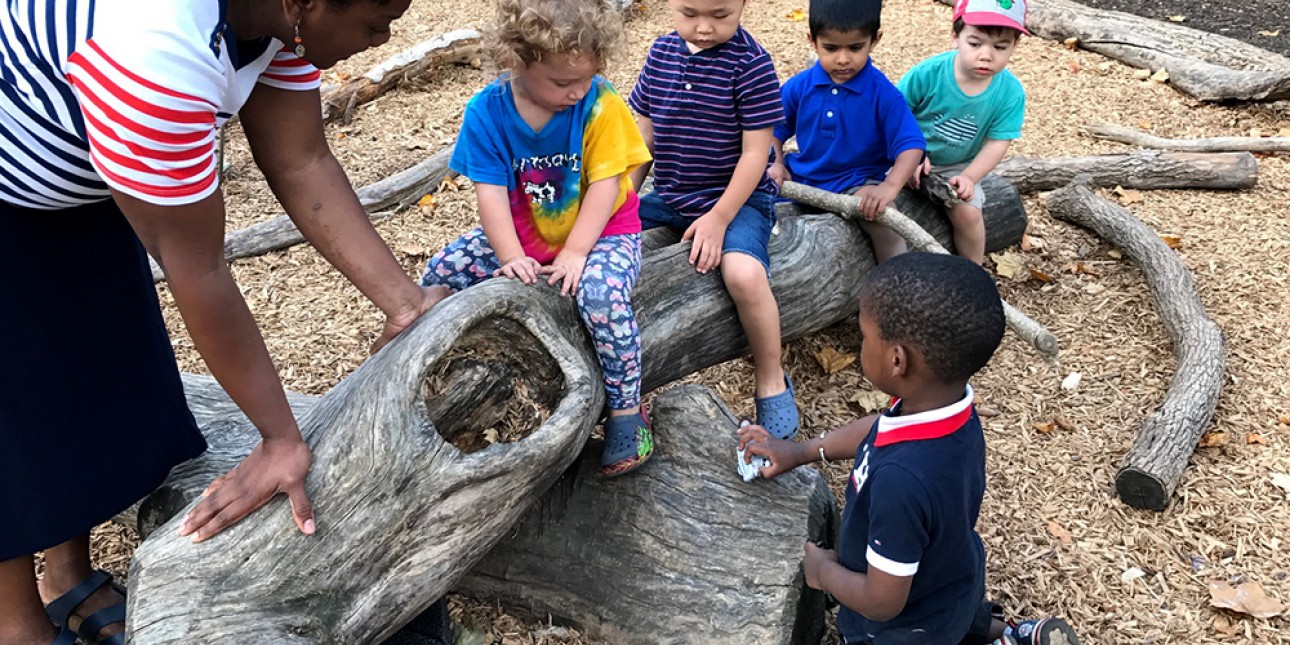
(1151, 470)
(1206, 66)
(683, 551)
(1137, 137)
(1143, 169)
(401, 512)
(380, 199)
(460, 47)
(398, 523)
(849, 206)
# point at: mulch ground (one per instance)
(1058, 541)
(1262, 23)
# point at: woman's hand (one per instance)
(523, 268)
(395, 324)
(275, 466)
(566, 269)
(783, 455)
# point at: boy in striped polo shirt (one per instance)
(707, 101)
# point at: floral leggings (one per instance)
(604, 300)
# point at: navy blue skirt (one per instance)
(92, 411)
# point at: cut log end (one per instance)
(1141, 489)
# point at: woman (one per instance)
(108, 118)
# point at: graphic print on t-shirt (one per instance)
(957, 130)
(547, 195)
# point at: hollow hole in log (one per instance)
(497, 384)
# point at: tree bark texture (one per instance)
(380, 199)
(1144, 169)
(402, 514)
(1206, 66)
(1151, 470)
(1136, 137)
(675, 553)
(461, 47)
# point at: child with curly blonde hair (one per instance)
(549, 146)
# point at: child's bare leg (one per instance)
(22, 616)
(969, 231)
(749, 287)
(886, 242)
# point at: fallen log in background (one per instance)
(1136, 137)
(380, 199)
(1144, 169)
(702, 555)
(460, 47)
(1151, 470)
(400, 518)
(1206, 66)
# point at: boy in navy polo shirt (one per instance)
(910, 567)
(855, 133)
(707, 99)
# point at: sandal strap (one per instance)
(61, 608)
(65, 637)
(96, 621)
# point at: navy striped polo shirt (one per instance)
(700, 105)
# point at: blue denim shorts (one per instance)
(748, 232)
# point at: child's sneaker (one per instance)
(629, 442)
(1045, 631)
(778, 413)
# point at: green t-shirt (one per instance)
(956, 125)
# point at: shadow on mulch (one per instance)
(1249, 21)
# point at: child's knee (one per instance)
(966, 215)
(744, 276)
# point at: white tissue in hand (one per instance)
(750, 471)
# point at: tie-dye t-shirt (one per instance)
(957, 125)
(547, 172)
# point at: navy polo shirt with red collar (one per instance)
(700, 104)
(911, 509)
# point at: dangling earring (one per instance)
(300, 45)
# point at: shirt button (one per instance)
(688, 86)
(835, 90)
(829, 114)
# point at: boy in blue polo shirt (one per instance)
(707, 99)
(910, 567)
(855, 133)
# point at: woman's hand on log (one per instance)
(395, 324)
(814, 562)
(566, 269)
(708, 233)
(783, 455)
(275, 466)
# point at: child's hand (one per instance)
(779, 172)
(963, 186)
(523, 268)
(566, 268)
(924, 168)
(814, 562)
(708, 233)
(755, 440)
(875, 199)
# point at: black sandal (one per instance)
(60, 610)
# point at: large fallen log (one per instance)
(1206, 66)
(1151, 470)
(402, 515)
(1143, 169)
(696, 554)
(380, 199)
(460, 47)
(1135, 137)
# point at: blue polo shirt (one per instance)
(700, 105)
(848, 133)
(911, 510)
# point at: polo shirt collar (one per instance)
(820, 78)
(932, 424)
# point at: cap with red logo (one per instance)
(992, 13)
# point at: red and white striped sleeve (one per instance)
(290, 72)
(146, 139)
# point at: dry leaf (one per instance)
(449, 183)
(1115, 254)
(1040, 276)
(1031, 243)
(1071, 381)
(1254, 437)
(1128, 195)
(1094, 289)
(1058, 531)
(1213, 439)
(796, 15)
(1172, 241)
(871, 400)
(1225, 625)
(426, 204)
(1131, 574)
(1282, 481)
(834, 361)
(1177, 18)
(1270, 34)
(1080, 267)
(1142, 73)
(986, 411)
(1071, 43)
(1074, 66)
(1283, 132)
(1063, 423)
(1008, 264)
(1284, 419)
(1161, 75)
(1046, 427)
(1246, 598)
(490, 435)
(1146, 125)
(1257, 133)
